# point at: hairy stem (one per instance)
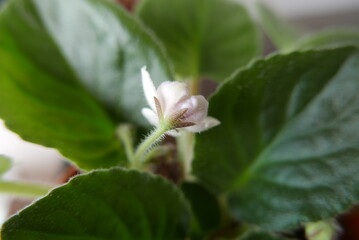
(148, 143)
(23, 189)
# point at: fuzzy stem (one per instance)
(151, 140)
(23, 189)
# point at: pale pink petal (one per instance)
(197, 109)
(148, 88)
(150, 115)
(170, 94)
(207, 123)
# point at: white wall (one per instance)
(31, 163)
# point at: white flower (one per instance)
(172, 103)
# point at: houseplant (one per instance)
(282, 151)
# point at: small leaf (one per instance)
(288, 140)
(106, 204)
(5, 164)
(323, 230)
(282, 34)
(70, 72)
(204, 38)
(205, 209)
(332, 37)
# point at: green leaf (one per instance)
(288, 140)
(282, 34)
(204, 38)
(261, 235)
(332, 37)
(205, 209)
(5, 164)
(64, 62)
(106, 204)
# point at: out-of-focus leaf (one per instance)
(204, 38)
(329, 38)
(70, 72)
(280, 32)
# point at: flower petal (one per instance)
(197, 109)
(170, 94)
(148, 88)
(206, 124)
(150, 115)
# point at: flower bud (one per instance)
(172, 103)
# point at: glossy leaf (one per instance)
(106, 204)
(64, 62)
(205, 209)
(5, 164)
(280, 32)
(204, 38)
(286, 151)
(332, 37)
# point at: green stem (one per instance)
(23, 189)
(194, 85)
(152, 139)
(185, 144)
(124, 132)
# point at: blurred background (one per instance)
(304, 9)
(35, 163)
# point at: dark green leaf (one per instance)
(282, 34)
(204, 38)
(108, 204)
(205, 208)
(261, 235)
(57, 57)
(5, 164)
(329, 38)
(287, 147)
